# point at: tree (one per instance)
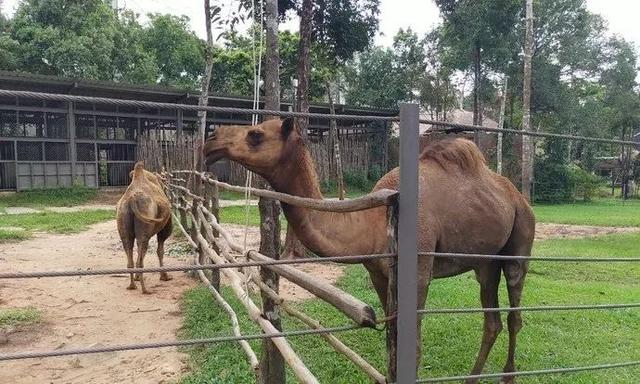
(178, 51)
(527, 147)
(478, 33)
(271, 362)
(63, 37)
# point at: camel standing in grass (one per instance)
(142, 212)
(463, 207)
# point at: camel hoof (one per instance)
(146, 292)
(131, 287)
(165, 277)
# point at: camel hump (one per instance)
(138, 169)
(458, 152)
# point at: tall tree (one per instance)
(271, 362)
(478, 34)
(527, 147)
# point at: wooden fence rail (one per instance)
(195, 217)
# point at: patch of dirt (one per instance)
(565, 231)
(90, 311)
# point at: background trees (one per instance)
(583, 80)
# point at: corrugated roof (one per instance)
(65, 85)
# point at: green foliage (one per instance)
(13, 234)
(19, 316)
(557, 182)
(358, 179)
(52, 197)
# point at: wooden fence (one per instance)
(196, 215)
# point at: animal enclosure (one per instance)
(214, 252)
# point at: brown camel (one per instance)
(463, 207)
(142, 212)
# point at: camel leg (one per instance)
(162, 236)
(127, 244)
(515, 274)
(143, 244)
(425, 274)
(489, 279)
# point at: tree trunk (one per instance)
(503, 104)
(527, 152)
(203, 100)
(293, 248)
(477, 78)
(304, 64)
(335, 141)
(271, 361)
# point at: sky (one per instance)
(419, 15)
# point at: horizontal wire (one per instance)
(456, 127)
(184, 268)
(189, 107)
(530, 373)
(186, 107)
(533, 258)
(174, 343)
(436, 311)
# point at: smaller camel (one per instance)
(142, 212)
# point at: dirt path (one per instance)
(98, 310)
(90, 311)
(566, 231)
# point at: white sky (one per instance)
(420, 15)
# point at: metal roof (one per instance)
(55, 84)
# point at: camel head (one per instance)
(259, 148)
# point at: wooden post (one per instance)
(212, 204)
(271, 361)
(195, 229)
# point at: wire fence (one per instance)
(231, 265)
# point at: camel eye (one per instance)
(254, 138)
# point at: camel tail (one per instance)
(141, 216)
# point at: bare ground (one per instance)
(90, 311)
(98, 310)
(565, 231)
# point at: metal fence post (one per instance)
(407, 244)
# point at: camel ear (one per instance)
(288, 125)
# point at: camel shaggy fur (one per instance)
(142, 212)
(463, 207)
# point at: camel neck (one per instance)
(324, 233)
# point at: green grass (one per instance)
(237, 215)
(68, 222)
(53, 197)
(552, 339)
(19, 316)
(604, 212)
(11, 235)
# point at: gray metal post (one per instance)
(71, 124)
(408, 244)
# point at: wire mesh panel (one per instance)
(31, 124)
(56, 151)
(6, 151)
(57, 125)
(85, 127)
(8, 123)
(30, 151)
(85, 152)
(7, 175)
